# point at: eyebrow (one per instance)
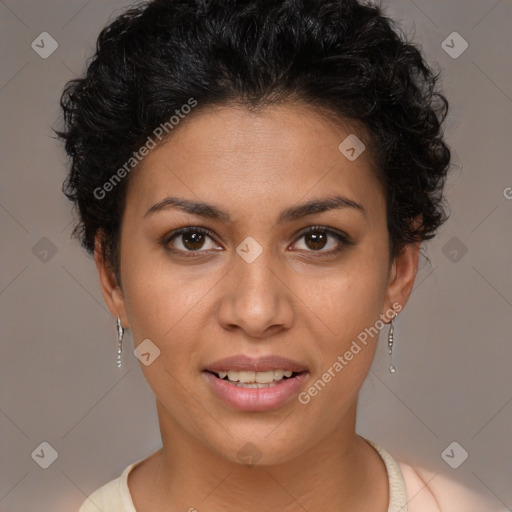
(290, 214)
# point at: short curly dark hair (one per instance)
(342, 56)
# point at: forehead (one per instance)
(275, 154)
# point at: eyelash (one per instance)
(343, 239)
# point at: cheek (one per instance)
(345, 345)
(160, 296)
(164, 305)
(348, 300)
(349, 305)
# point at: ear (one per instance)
(401, 277)
(112, 292)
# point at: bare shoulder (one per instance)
(431, 491)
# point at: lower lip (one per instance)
(256, 399)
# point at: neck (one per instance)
(338, 468)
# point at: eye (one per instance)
(193, 239)
(317, 238)
(189, 239)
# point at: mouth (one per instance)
(255, 380)
(255, 384)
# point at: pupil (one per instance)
(193, 240)
(318, 240)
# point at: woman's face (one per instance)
(248, 281)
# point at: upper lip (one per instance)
(256, 364)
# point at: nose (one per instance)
(256, 298)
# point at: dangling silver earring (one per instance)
(120, 333)
(391, 340)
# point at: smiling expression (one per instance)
(250, 234)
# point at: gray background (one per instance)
(59, 380)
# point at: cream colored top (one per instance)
(408, 492)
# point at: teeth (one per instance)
(233, 375)
(254, 385)
(267, 377)
(248, 377)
